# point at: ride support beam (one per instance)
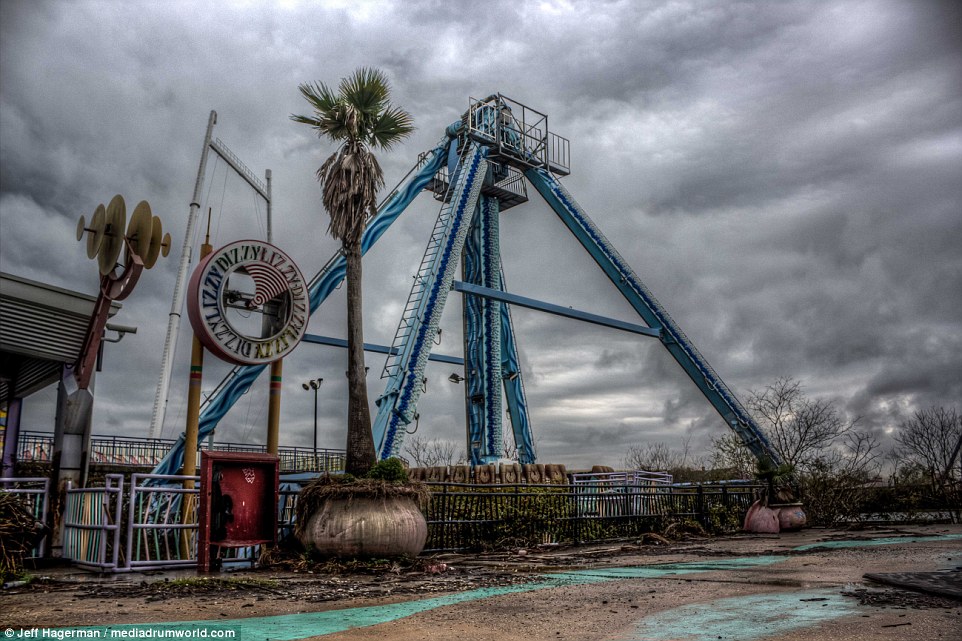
(513, 381)
(651, 311)
(557, 310)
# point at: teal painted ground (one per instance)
(892, 540)
(724, 618)
(744, 618)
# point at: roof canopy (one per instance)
(41, 328)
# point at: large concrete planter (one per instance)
(360, 526)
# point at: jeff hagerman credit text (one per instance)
(122, 633)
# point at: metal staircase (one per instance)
(417, 329)
(413, 313)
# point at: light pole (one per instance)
(314, 384)
(457, 379)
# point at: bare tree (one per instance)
(509, 449)
(928, 440)
(433, 453)
(799, 428)
(836, 484)
(729, 453)
(653, 457)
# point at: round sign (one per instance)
(248, 303)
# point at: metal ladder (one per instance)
(404, 368)
(413, 313)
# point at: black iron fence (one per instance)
(466, 517)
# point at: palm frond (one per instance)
(328, 118)
(368, 89)
(391, 126)
(357, 115)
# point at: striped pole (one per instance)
(190, 431)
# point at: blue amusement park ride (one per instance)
(481, 167)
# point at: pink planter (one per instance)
(761, 519)
(791, 516)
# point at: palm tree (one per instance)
(358, 116)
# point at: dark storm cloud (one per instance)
(783, 176)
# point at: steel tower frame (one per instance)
(477, 171)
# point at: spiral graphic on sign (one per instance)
(268, 283)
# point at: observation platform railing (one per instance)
(129, 451)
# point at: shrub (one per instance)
(390, 470)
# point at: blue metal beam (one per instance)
(374, 347)
(514, 393)
(651, 311)
(558, 310)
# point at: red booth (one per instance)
(238, 503)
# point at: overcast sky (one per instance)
(786, 177)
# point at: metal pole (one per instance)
(270, 225)
(192, 428)
(173, 322)
(315, 428)
(274, 406)
(277, 367)
(314, 384)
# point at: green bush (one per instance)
(724, 519)
(389, 470)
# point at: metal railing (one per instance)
(304, 459)
(35, 446)
(613, 494)
(162, 522)
(462, 517)
(517, 131)
(634, 478)
(91, 525)
(147, 452)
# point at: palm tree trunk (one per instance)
(360, 442)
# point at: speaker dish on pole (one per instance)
(140, 230)
(95, 231)
(165, 246)
(113, 240)
(156, 240)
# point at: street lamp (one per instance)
(314, 384)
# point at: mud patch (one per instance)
(901, 599)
